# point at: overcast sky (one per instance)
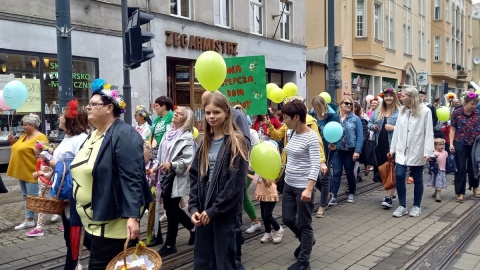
(476, 1)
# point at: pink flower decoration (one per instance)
(114, 94)
(472, 95)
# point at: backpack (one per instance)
(66, 191)
(450, 166)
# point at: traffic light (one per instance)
(136, 53)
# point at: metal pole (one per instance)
(64, 52)
(127, 88)
(331, 51)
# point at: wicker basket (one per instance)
(45, 205)
(153, 256)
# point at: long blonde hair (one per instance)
(320, 106)
(415, 103)
(237, 143)
(383, 107)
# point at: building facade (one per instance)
(392, 43)
(183, 29)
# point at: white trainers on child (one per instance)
(278, 235)
(267, 237)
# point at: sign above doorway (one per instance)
(200, 43)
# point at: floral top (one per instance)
(145, 131)
(467, 126)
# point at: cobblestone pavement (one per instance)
(358, 235)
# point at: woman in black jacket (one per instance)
(217, 179)
(109, 178)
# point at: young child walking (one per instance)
(437, 177)
(266, 193)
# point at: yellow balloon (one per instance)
(277, 95)
(290, 89)
(270, 87)
(195, 132)
(443, 114)
(266, 160)
(326, 96)
(478, 91)
(210, 70)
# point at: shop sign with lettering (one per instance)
(199, 43)
(34, 101)
(245, 83)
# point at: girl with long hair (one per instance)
(412, 144)
(217, 178)
(382, 123)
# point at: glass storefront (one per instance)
(39, 72)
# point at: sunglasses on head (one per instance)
(347, 103)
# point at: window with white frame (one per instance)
(285, 21)
(423, 45)
(448, 50)
(391, 25)
(180, 8)
(421, 7)
(222, 12)
(361, 18)
(436, 10)
(436, 49)
(407, 3)
(378, 21)
(469, 59)
(407, 40)
(256, 17)
(447, 11)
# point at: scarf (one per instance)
(168, 142)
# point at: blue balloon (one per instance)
(15, 93)
(332, 132)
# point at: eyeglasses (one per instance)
(94, 104)
(347, 104)
(179, 113)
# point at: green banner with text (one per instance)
(245, 83)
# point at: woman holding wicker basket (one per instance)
(109, 177)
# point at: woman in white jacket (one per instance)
(412, 144)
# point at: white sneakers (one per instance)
(25, 225)
(401, 211)
(254, 227)
(276, 236)
(163, 218)
(55, 218)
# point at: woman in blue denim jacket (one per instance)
(348, 149)
(324, 114)
(382, 123)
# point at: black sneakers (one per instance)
(298, 265)
(165, 251)
(387, 202)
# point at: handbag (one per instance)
(387, 173)
(369, 153)
(166, 181)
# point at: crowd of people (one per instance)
(121, 172)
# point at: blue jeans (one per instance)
(417, 173)
(28, 188)
(215, 245)
(343, 159)
(297, 216)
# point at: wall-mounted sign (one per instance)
(422, 78)
(33, 103)
(245, 83)
(375, 69)
(199, 43)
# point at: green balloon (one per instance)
(210, 70)
(443, 114)
(266, 161)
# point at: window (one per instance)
(222, 11)
(285, 23)
(448, 50)
(436, 49)
(407, 3)
(436, 10)
(407, 40)
(391, 25)
(256, 17)
(422, 48)
(378, 21)
(469, 59)
(421, 7)
(469, 25)
(447, 11)
(180, 8)
(361, 19)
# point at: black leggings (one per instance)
(175, 216)
(267, 210)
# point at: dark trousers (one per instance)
(297, 216)
(268, 221)
(70, 263)
(343, 159)
(323, 184)
(175, 216)
(103, 250)
(463, 159)
(215, 245)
